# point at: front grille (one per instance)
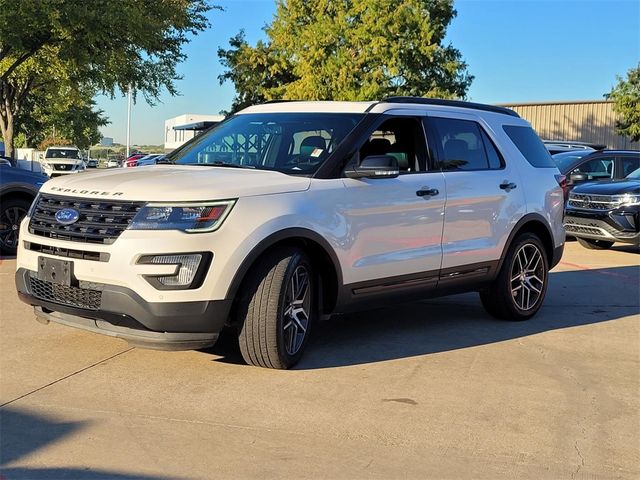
(67, 252)
(62, 166)
(592, 202)
(100, 221)
(570, 228)
(66, 295)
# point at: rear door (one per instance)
(484, 196)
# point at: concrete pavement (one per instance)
(434, 389)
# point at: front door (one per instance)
(395, 224)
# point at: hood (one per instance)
(609, 187)
(168, 183)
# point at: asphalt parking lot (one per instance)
(435, 389)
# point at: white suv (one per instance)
(62, 161)
(289, 212)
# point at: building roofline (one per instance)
(558, 102)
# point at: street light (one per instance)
(128, 119)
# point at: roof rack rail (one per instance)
(451, 103)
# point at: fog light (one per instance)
(188, 274)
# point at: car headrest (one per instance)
(455, 149)
(377, 146)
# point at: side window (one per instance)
(463, 145)
(628, 165)
(597, 168)
(530, 146)
(402, 138)
(495, 160)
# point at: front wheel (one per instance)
(519, 290)
(595, 244)
(278, 310)
(12, 211)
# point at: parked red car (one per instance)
(132, 161)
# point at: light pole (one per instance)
(128, 119)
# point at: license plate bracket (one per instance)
(56, 271)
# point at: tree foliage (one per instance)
(348, 50)
(626, 103)
(98, 45)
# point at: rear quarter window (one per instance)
(530, 146)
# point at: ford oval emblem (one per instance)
(67, 216)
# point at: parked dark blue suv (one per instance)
(18, 188)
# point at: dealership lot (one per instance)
(432, 389)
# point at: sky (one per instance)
(518, 51)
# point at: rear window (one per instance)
(530, 146)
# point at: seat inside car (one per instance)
(455, 149)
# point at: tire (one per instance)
(509, 297)
(595, 244)
(12, 211)
(271, 335)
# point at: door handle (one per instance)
(507, 185)
(427, 192)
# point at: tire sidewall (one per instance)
(526, 239)
(298, 258)
(5, 205)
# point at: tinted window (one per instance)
(596, 168)
(566, 159)
(462, 145)
(495, 160)
(629, 164)
(530, 146)
(287, 142)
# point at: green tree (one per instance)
(68, 111)
(626, 103)
(349, 50)
(97, 44)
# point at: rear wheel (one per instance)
(518, 291)
(278, 310)
(12, 211)
(595, 244)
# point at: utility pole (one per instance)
(128, 119)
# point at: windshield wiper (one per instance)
(220, 164)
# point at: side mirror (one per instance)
(578, 177)
(375, 166)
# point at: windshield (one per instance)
(62, 153)
(635, 175)
(565, 160)
(294, 143)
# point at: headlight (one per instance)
(187, 217)
(627, 199)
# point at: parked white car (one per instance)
(290, 212)
(60, 161)
(113, 163)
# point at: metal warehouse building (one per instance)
(590, 121)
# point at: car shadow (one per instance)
(456, 322)
(24, 432)
(626, 247)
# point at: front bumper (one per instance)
(621, 225)
(121, 312)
